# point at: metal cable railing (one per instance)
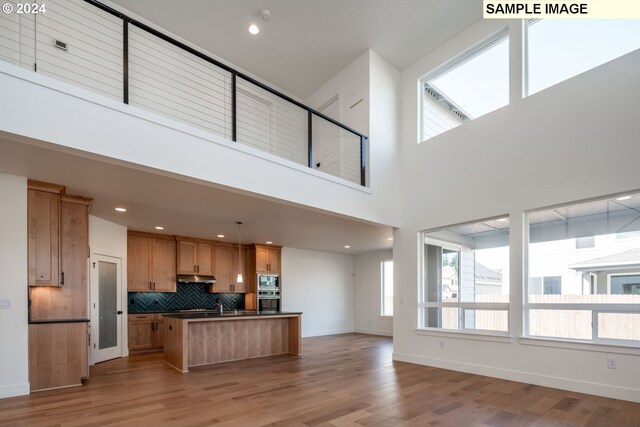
(165, 75)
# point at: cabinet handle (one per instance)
(195, 270)
(62, 279)
(198, 268)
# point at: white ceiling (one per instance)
(186, 208)
(306, 42)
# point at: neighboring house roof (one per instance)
(487, 276)
(483, 274)
(620, 261)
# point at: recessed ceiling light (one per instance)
(623, 198)
(121, 209)
(253, 29)
(159, 228)
(389, 238)
(502, 219)
(347, 246)
(221, 236)
(269, 243)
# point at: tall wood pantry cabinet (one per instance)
(58, 251)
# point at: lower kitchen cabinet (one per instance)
(58, 355)
(146, 332)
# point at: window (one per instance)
(387, 288)
(466, 88)
(591, 295)
(465, 277)
(624, 284)
(559, 49)
(585, 242)
(552, 285)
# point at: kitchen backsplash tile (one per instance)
(192, 295)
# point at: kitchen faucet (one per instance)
(219, 303)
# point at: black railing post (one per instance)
(125, 61)
(363, 165)
(234, 110)
(310, 138)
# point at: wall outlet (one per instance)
(612, 363)
(5, 303)
(402, 301)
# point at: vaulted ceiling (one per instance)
(306, 42)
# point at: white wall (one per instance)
(107, 238)
(319, 284)
(374, 81)
(576, 140)
(14, 368)
(114, 132)
(349, 85)
(367, 318)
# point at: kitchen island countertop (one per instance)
(205, 338)
(233, 314)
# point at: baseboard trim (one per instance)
(374, 332)
(13, 390)
(604, 390)
(309, 334)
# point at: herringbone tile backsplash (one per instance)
(191, 295)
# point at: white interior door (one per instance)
(106, 310)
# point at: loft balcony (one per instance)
(92, 46)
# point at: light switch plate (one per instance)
(5, 303)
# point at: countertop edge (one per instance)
(213, 316)
(40, 322)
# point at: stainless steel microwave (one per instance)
(268, 282)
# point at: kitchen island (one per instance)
(197, 339)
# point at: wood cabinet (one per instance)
(151, 263)
(58, 355)
(70, 298)
(226, 269)
(44, 238)
(146, 332)
(262, 259)
(267, 259)
(240, 287)
(195, 257)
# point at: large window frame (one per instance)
(596, 309)
(462, 307)
(449, 106)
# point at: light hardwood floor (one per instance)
(340, 380)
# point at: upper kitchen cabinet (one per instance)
(151, 262)
(267, 259)
(58, 253)
(194, 257)
(226, 269)
(44, 235)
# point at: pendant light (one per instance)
(239, 276)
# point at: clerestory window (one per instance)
(467, 87)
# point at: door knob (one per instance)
(119, 312)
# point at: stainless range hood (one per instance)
(187, 278)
